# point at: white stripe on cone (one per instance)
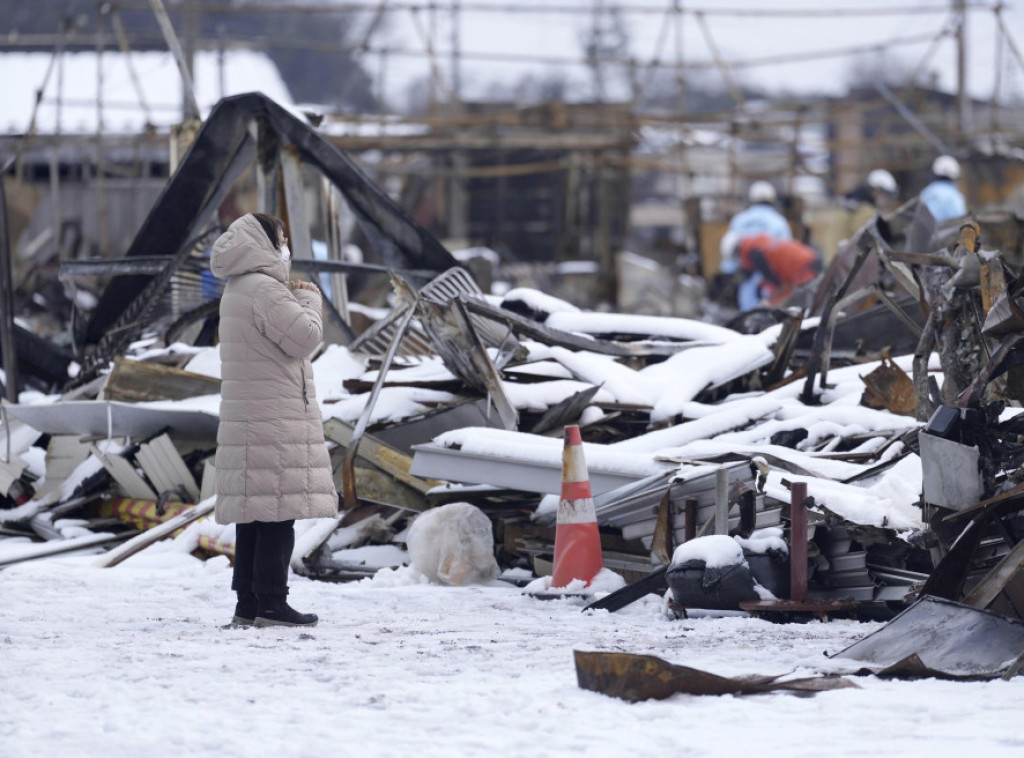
(580, 511)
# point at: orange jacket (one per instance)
(783, 264)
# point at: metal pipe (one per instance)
(236, 43)
(58, 216)
(154, 264)
(187, 85)
(743, 10)
(917, 124)
(7, 431)
(650, 9)
(101, 189)
(350, 499)
(7, 299)
(722, 501)
(798, 542)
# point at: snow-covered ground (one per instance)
(133, 661)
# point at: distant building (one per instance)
(123, 136)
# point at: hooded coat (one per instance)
(272, 462)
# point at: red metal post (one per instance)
(798, 542)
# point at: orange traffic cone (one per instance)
(577, 542)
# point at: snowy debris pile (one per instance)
(690, 429)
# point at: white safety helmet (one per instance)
(946, 166)
(880, 179)
(761, 192)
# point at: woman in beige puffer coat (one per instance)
(272, 463)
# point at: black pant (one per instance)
(263, 551)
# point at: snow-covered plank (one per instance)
(102, 418)
(33, 551)
(524, 461)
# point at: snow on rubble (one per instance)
(401, 662)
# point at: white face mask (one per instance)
(286, 254)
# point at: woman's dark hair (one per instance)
(273, 226)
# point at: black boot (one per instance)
(245, 609)
(273, 610)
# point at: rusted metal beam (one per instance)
(661, 543)
(645, 677)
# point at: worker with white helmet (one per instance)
(760, 218)
(883, 182)
(876, 193)
(942, 196)
(772, 268)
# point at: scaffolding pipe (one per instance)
(167, 28)
(7, 299)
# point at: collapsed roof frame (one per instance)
(223, 148)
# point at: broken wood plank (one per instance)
(383, 456)
(662, 543)
(142, 381)
(993, 283)
(378, 488)
(301, 242)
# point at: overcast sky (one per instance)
(739, 36)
